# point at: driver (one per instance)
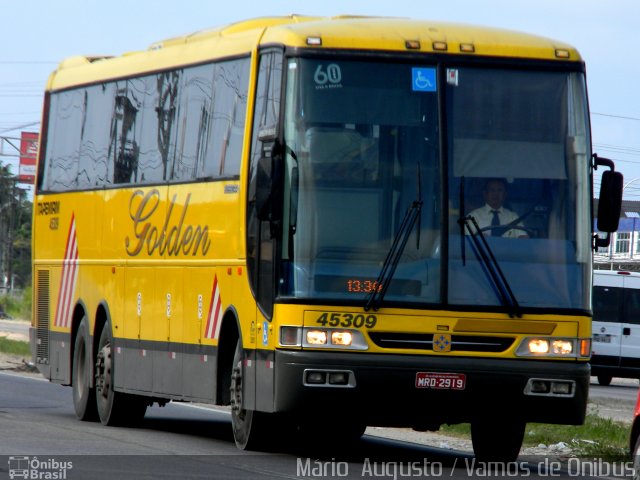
(493, 214)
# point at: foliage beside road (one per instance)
(17, 306)
(14, 347)
(15, 225)
(598, 437)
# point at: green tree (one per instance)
(15, 232)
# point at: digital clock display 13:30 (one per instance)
(356, 285)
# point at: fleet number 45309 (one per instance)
(346, 320)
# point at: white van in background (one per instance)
(616, 325)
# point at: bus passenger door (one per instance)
(262, 233)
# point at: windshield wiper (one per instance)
(411, 216)
(375, 297)
(485, 255)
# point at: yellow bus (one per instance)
(280, 215)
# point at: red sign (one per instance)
(28, 156)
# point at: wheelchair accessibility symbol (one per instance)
(423, 79)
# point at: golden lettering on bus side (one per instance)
(188, 240)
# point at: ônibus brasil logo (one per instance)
(38, 469)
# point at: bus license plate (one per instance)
(442, 381)
(597, 337)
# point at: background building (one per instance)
(623, 253)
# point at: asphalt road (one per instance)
(177, 441)
(620, 390)
(18, 329)
(39, 430)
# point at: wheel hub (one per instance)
(103, 371)
(236, 389)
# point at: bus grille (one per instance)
(424, 341)
(42, 317)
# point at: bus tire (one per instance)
(250, 428)
(497, 440)
(114, 408)
(84, 396)
(605, 380)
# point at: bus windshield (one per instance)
(366, 142)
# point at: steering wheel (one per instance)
(508, 227)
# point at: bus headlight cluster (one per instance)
(554, 347)
(311, 337)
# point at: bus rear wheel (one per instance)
(251, 429)
(497, 440)
(114, 408)
(84, 396)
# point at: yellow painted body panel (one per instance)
(151, 254)
(441, 321)
(347, 32)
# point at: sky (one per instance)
(34, 37)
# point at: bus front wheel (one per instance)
(250, 428)
(114, 408)
(497, 440)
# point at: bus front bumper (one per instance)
(415, 390)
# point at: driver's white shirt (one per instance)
(484, 216)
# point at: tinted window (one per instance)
(265, 121)
(606, 304)
(195, 111)
(229, 109)
(124, 120)
(527, 130)
(96, 135)
(632, 305)
(173, 126)
(66, 117)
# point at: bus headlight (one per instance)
(291, 336)
(550, 347)
(562, 347)
(316, 337)
(539, 346)
(344, 338)
(334, 338)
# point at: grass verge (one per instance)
(598, 437)
(18, 306)
(15, 347)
